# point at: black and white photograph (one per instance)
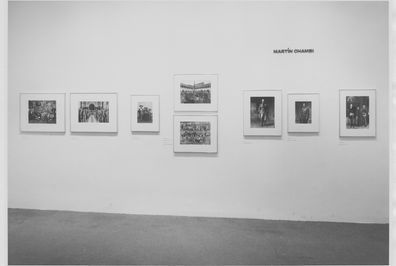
(303, 112)
(189, 132)
(262, 112)
(145, 113)
(42, 112)
(195, 92)
(195, 133)
(357, 113)
(93, 112)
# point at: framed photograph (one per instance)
(195, 133)
(357, 113)
(195, 92)
(93, 112)
(262, 115)
(303, 112)
(145, 113)
(42, 112)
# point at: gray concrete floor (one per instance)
(59, 237)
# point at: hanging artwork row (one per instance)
(193, 129)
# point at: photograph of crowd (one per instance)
(303, 112)
(42, 112)
(262, 112)
(195, 92)
(145, 112)
(357, 112)
(93, 112)
(197, 133)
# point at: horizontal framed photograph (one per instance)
(262, 115)
(195, 92)
(303, 112)
(93, 112)
(42, 112)
(357, 113)
(195, 133)
(145, 113)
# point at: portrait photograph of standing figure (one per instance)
(303, 112)
(357, 113)
(262, 113)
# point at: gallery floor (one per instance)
(60, 237)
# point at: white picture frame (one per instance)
(303, 112)
(93, 112)
(42, 112)
(195, 92)
(183, 141)
(357, 112)
(145, 113)
(265, 120)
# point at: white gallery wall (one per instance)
(137, 47)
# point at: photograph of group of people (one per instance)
(145, 112)
(93, 112)
(42, 112)
(357, 112)
(195, 92)
(262, 112)
(197, 133)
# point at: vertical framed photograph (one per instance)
(262, 114)
(195, 92)
(303, 112)
(93, 112)
(145, 113)
(195, 133)
(357, 113)
(42, 112)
